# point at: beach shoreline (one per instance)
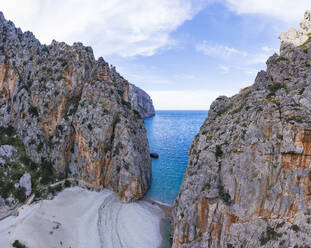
(72, 219)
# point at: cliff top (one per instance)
(294, 38)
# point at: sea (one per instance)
(170, 133)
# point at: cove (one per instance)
(170, 133)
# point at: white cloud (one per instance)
(224, 68)
(184, 100)
(126, 28)
(267, 49)
(258, 58)
(238, 60)
(219, 51)
(289, 11)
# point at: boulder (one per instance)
(7, 151)
(25, 181)
(154, 155)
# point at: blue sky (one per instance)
(184, 53)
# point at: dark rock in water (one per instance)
(154, 155)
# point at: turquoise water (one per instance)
(170, 134)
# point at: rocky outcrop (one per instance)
(63, 108)
(248, 179)
(141, 102)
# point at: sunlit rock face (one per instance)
(294, 38)
(74, 111)
(248, 179)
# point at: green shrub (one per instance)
(33, 111)
(20, 194)
(127, 104)
(51, 190)
(281, 58)
(301, 91)
(274, 88)
(225, 196)
(295, 228)
(9, 131)
(5, 189)
(136, 113)
(270, 234)
(218, 152)
(56, 93)
(237, 110)
(39, 147)
(47, 172)
(74, 109)
(18, 244)
(64, 64)
(67, 184)
(58, 188)
(207, 186)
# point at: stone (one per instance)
(14, 213)
(7, 151)
(1, 202)
(25, 181)
(248, 179)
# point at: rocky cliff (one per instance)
(68, 115)
(248, 180)
(141, 102)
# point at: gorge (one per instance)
(75, 166)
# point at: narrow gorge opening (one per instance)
(170, 133)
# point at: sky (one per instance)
(183, 53)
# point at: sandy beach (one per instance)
(81, 218)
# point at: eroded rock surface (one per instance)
(63, 107)
(248, 180)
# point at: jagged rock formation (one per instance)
(141, 102)
(62, 108)
(248, 180)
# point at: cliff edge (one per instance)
(248, 179)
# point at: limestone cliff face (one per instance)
(248, 180)
(141, 102)
(74, 111)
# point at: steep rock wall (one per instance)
(74, 111)
(248, 179)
